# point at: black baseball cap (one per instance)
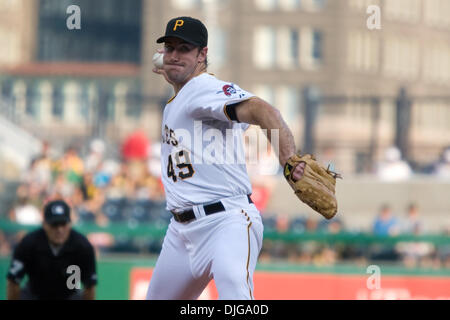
(188, 29)
(57, 211)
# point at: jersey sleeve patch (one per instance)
(232, 91)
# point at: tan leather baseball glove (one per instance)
(316, 188)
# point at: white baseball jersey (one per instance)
(202, 152)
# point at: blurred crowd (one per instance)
(127, 189)
(100, 190)
(410, 254)
(97, 189)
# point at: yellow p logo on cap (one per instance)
(178, 23)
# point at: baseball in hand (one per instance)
(158, 60)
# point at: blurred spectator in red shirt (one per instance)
(260, 196)
(136, 146)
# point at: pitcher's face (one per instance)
(182, 60)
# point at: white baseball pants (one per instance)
(224, 246)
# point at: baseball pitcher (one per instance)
(216, 231)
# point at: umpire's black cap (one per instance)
(188, 29)
(57, 211)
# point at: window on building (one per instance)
(319, 4)
(431, 12)
(217, 47)
(92, 99)
(44, 100)
(285, 98)
(72, 104)
(311, 48)
(117, 23)
(362, 5)
(6, 89)
(134, 106)
(436, 63)
(19, 95)
(436, 13)
(126, 103)
(403, 10)
(84, 102)
(266, 92)
(110, 107)
(58, 101)
(317, 45)
(32, 98)
(287, 47)
(186, 4)
(294, 46)
(401, 58)
(266, 5)
(313, 5)
(10, 51)
(289, 98)
(265, 47)
(289, 5)
(363, 51)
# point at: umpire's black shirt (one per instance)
(48, 273)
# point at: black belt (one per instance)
(189, 215)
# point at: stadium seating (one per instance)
(85, 216)
(113, 209)
(297, 225)
(137, 210)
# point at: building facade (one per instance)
(110, 31)
(278, 49)
(78, 82)
(18, 22)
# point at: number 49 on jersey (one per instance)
(183, 163)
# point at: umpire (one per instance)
(55, 258)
